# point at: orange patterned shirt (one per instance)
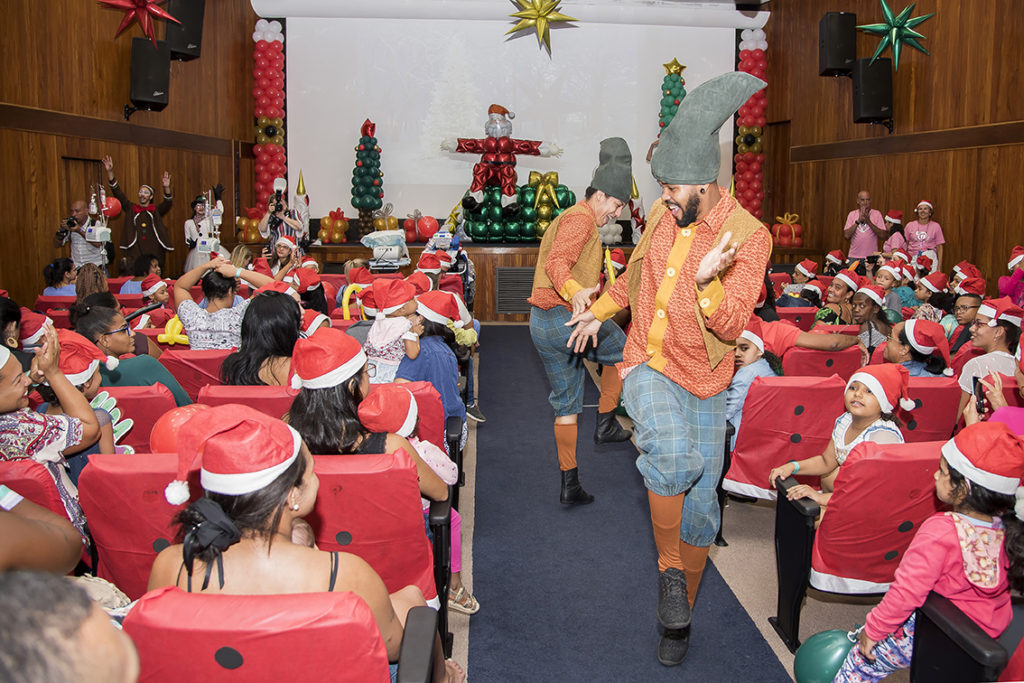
(575, 230)
(665, 333)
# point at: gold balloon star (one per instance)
(538, 15)
(674, 67)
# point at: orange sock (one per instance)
(611, 389)
(565, 439)
(694, 559)
(666, 516)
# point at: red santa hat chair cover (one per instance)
(800, 362)
(144, 406)
(802, 317)
(194, 369)
(778, 280)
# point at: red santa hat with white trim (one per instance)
(31, 330)
(907, 271)
(1001, 309)
(239, 450)
(360, 276)
(310, 262)
(390, 295)
(368, 300)
(444, 258)
(288, 241)
(923, 262)
(1016, 256)
(958, 268)
(893, 268)
(990, 455)
(303, 279)
(971, 285)
(389, 408)
(894, 216)
(925, 202)
(807, 268)
(80, 358)
(421, 282)
(464, 318)
(312, 319)
(971, 270)
(429, 263)
(618, 258)
(901, 254)
(754, 333)
(151, 283)
(849, 278)
(278, 286)
(325, 359)
(927, 337)
(438, 307)
(836, 256)
(935, 282)
(818, 286)
(873, 292)
(888, 383)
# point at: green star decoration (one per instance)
(538, 15)
(897, 31)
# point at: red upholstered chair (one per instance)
(878, 355)
(451, 283)
(798, 362)
(194, 369)
(132, 301)
(144, 405)
(340, 323)
(784, 418)
(154, 334)
(61, 318)
(45, 303)
(799, 316)
(882, 494)
(114, 283)
(822, 328)
(302, 636)
(272, 401)
(130, 520)
(934, 416)
(779, 280)
(33, 481)
(336, 279)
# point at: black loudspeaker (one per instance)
(837, 43)
(150, 75)
(185, 39)
(872, 90)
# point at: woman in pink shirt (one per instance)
(924, 236)
(970, 555)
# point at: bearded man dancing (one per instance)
(691, 283)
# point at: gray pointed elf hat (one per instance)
(688, 151)
(614, 173)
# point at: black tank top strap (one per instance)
(334, 570)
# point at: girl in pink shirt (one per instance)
(971, 555)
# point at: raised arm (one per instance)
(72, 401)
(186, 282)
(728, 282)
(32, 537)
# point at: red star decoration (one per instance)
(142, 11)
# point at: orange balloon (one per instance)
(164, 437)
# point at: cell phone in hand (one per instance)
(979, 395)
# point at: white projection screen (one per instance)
(423, 80)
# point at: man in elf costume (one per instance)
(144, 231)
(691, 284)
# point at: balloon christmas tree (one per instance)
(672, 92)
(367, 178)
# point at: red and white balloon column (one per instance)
(268, 95)
(750, 125)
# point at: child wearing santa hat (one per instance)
(996, 331)
(803, 272)
(752, 360)
(156, 291)
(964, 555)
(896, 239)
(907, 285)
(834, 261)
(868, 306)
(936, 302)
(921, 347)
(872, 397)
(393, 335)
(887, 276)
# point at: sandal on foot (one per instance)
(463, 601)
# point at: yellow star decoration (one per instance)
(674, 67)
(538, 15)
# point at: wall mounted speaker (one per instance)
(872, 90)
(150, 74)
(185, 39)
(837, 43)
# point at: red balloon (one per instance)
(112, 208)
(758, 54)
(164, 437)
(425, 228)
(256, 149)
(262, 44)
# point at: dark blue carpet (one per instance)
(571, 594)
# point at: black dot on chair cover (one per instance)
(796, 438)
(912, 425)
(160, 543)
(918, 403)
(891, 555)
(343, 538)
(829, 362)
(905, 526)
(228, 657)
(798, 410)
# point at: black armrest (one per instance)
(416, 658)
(805, 506)
(439, 517)
(453, 437)
(441, 511)
(962, 630)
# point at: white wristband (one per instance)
(411, 336)
(8, 498)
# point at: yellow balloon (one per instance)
(277, 122)
(379, 224)
(544, 212)
(173, 333)
(263, 121)
(262, 139)
(326, 223)
(392, 222)
(541, 227)
(278, 140)
(742, 148)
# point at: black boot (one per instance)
(469, 203)
(673, 646)
(572, 492)
(609, 430)
(510, 210)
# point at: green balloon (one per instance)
(821, 656)
(512, 231)
(528, 232)
(528, 195)
(562, 195)
(571, 198)
(492, 212)
(527, 213)
(492, 195)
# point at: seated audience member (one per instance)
(837, 309)
(887, 277)
(285, 256)
(91, 280)
(32, 537)
(270, 328)
(438, 360)
(936, 303)
(258, 482)
(868, 312)
(972, 555)
(924, 236)
(312, 321)
(60, 278)
(812, 294)
(996, 409)
(219, 325)
(803, 272)
(834, 261)
(54, 632)
(393, 336)
(142, 345)
(1012, 285)
(307, 283)
(107, 329)
(147, 264)
(921, 347)
(156, 291)
(430, 265)
(392, 408)
(10, 329)
(961, 271)
(752, 360)
(764, 307)
(896, 239)
(996, 331)
(25, 433)
(781, 336)
(907, 286)
(970, 293)
(330, 373)
(872, 397)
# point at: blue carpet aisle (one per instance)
(571, 594)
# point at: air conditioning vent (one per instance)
(513, 289)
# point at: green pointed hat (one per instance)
(614, 174)
(688, 151)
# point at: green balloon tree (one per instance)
(540, 201)
(672, 92)
(367, 178)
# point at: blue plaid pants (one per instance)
(682, 442)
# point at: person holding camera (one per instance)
(203, 227)
(73, 229)
(144, 230)
(279, 222)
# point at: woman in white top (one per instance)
(202, 226)
(219, 326)
(996, 331)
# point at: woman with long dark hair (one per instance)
(270, 328)
(60, 278)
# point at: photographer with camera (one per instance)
(144, 230)
(279, 221)
(72, 229)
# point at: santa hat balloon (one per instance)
(389, 408)
(326, 359)
(990, 455)
(888, 383)
(239, 450)
(927, 337)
